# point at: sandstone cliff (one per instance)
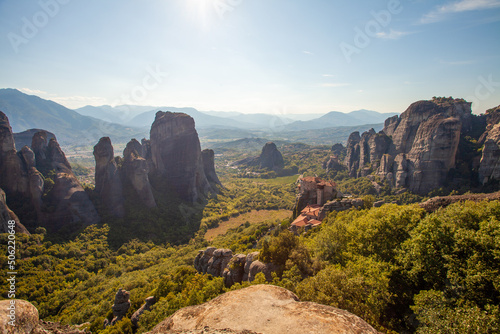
(489, 167)
(176, 156)
(266, 309)
(415, 150)
(136, 169)
(209, 167)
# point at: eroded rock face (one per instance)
(136, 169)
(108, 184)
(70, 201)
(340, 205)
(13, 177)
(416, 149)
(489, 167)
(176, 155)
(270, 158)
(7, 215)
(209, 166)
(267, 309)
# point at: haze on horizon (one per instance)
(253, 56)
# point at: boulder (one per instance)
(26, 317)
(267, 309)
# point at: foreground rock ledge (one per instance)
(263, 309)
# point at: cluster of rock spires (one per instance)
(270, 158)
(171, 157)
(234, 268)
(122, 305)
(22, 178)
(417, 149)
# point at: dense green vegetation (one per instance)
(399, 268)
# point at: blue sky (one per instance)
(273, 56)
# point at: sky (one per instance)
(253, 56)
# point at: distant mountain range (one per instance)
(121, 123)
(32, 112)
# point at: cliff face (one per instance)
(209, 167)
(108, 184)
(489, 167)
(136, 169)
(21, 176)
(414, 150)
(270, 158)
(7, 215)
(176, 155)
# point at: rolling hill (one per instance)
(32, 112)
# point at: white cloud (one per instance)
(33, 91)
(440, 13)
(328, 75)
(308, 53)
(334, 84)
(392, 34)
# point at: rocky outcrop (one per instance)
(267, 309)
(270, 159)
(68, 199)
(176, 156)
(489, 167)
(209, 167)
(27, 321)
(414, 150)
(25, 138)
(333, 164)
(340, 205)
(13, 176)
(435, 203)
(108, 183)
(234, 268)
(338, 149)
(65, 201)
(150, 301)
(136, 169)
(120, 307)
(7, 215)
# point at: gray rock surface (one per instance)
(7, 215)
(176, 155)
(136, 317)
(136, 169)
(108, 184)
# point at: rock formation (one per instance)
(136, 169)
(414, 150)
(333, 164)
(435, 203)
(7, 215)
(340, 205)
(234, 268)
(21, 177)
(27, 321)
(108, 184)
(267, 309)
(120, 307)
(270, 158)
(69, 200)
(13, 177)
(176, 156)
(313, 190)
(489, 166)
(150, 301)
(209, 167)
